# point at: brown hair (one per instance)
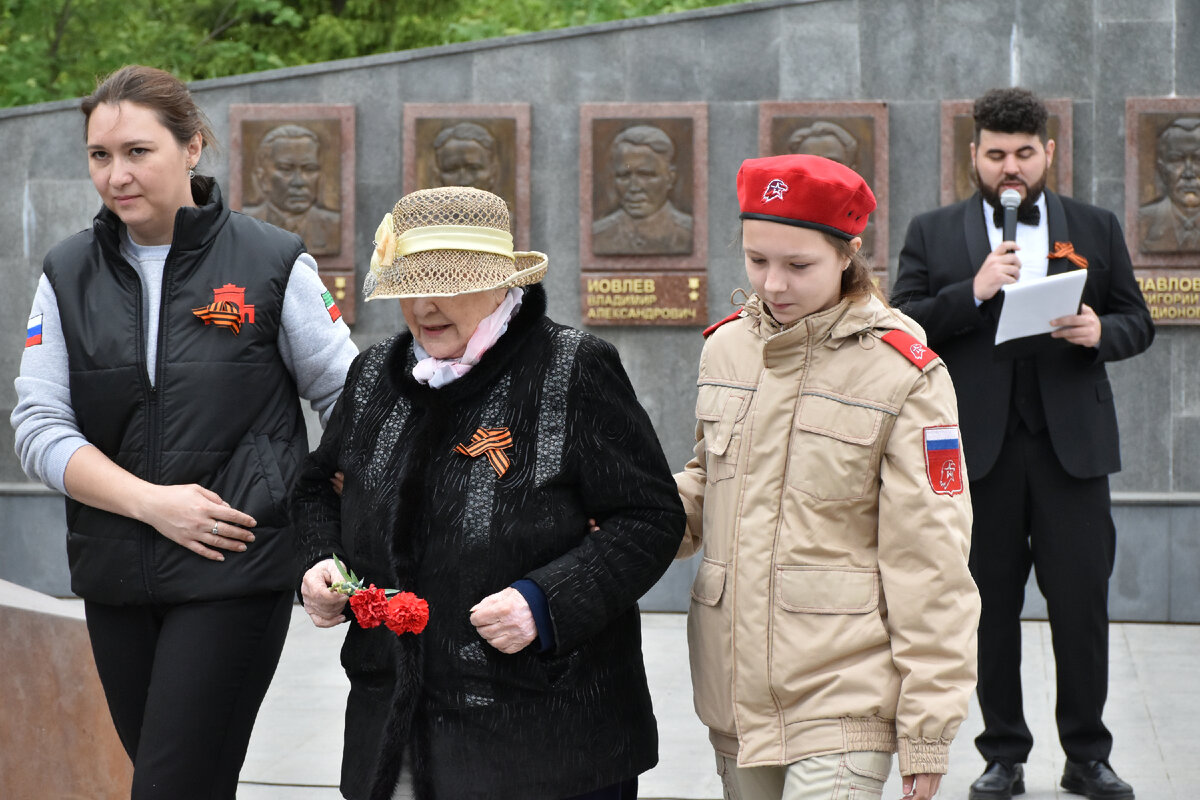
(856, 278)
(159, 91)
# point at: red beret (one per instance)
(807, 191)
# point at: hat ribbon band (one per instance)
(455, 237)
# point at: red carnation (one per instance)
(406, 613)
(370, 606)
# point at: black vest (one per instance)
(223, 411)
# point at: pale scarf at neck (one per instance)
(437, 372)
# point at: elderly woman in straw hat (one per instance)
(476, 446)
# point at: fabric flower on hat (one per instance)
(385, 244)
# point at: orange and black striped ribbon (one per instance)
(1067, 250)
(222, 313)
(490, 442)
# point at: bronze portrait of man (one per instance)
(465, 154)
(642, 171)
(287, 174)
(1171, 223)
(832, 141)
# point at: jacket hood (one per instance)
(850, 317)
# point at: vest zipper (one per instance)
(153, 415)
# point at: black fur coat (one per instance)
(418, 515)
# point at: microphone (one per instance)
(1010, 199)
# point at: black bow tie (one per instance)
(1026, 216)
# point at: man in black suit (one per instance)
(1039, 432)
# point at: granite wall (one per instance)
(911, 54)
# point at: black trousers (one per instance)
(184, 684)
(1029, 511)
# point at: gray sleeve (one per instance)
(315, 347)
(47, 434)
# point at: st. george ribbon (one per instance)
(1010, 199)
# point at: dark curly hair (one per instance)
(1012, 110)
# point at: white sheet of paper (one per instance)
(1029, 306)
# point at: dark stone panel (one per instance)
(1185, 461)
(1133, 59)
(1137, 591)
(1184, 566)
(1129, 10)
(914, 133)
(1055, 48)
(897, 61)
(673, 590)
(1083, 145)
(667, 64)
(1187, 54)
(745, 58)
(820, 60)
(1143, 391)
(33, 549)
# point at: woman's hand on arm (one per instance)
(922, 786)
(187, 514)
(325, 606)
(505, 621)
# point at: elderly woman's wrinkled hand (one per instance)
(323, 605)
(505, 621)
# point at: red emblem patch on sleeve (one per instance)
(943, 459)
(909, 347)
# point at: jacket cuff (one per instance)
(919, 756)
(539, 606)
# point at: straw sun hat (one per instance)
(447, 241)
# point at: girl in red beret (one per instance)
(833, 617)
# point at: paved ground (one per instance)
(1153, 708)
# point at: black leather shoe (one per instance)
(1095, 780)
(999, 781)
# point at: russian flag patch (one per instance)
(33, 333)
(943, 459)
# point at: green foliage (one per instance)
(55, 49)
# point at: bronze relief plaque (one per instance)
(851, 133)
(1162, 181)
(292, 165)
(485, 145)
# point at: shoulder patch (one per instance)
(712, 328)
(33, 331)
(909, 347)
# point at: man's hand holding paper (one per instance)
(1082, 329)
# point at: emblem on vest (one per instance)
(774, 191)
(228, 309)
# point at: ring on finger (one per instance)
(214, 530)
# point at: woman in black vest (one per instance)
(475, 449)
(158, 391)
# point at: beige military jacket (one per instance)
(833, 610)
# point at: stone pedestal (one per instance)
(56, 737)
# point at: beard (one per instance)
(1032, 192)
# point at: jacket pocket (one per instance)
(709, 584)
(833, 453)
(721, 409)
(271, 472)
(828, 637)
(827, 590)
(710, 647)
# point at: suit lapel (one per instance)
(974, 231)
(1056, 221)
